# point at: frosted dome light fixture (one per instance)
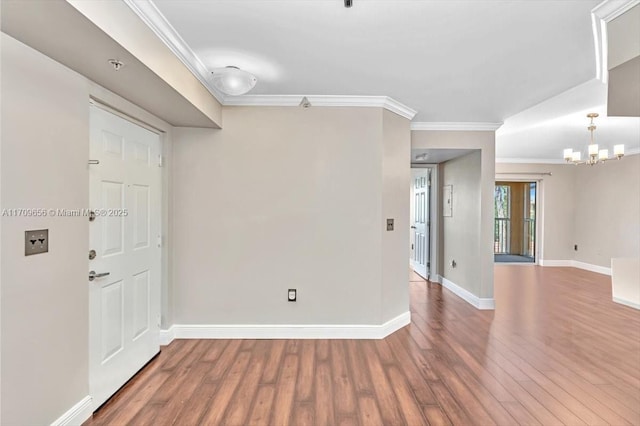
(233, 81)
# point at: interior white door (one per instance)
(421, 179)
(124, 306)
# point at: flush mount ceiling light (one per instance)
(233, 81)
(594, 155)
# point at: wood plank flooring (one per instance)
(555, 351)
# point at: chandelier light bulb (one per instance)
(603, 154)
(568, 154)
(618, 150)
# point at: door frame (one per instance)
(434, 231)
(155, 125)
(539, 243)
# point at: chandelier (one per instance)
(594, 155)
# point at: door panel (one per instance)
(420, 222)
(124, 306)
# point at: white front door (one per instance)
(420, 221)
(124, 306)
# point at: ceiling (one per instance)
(452, 61)
(541, 132)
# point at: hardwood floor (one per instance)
(555, 351)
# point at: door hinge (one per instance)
(159, 240)
(160, 161)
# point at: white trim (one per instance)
(167, 336)
(576, 264)
(530, 160)
(626, 303)
(589, 267)
(435, 278)
(322, 101)
(150, 15)
(455, 126)
(472, 299)
(609, 10)
(289, 331)
(77, 414)
(603, 13)
(556, 263)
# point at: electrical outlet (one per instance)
(389, 224)
(292, 295)
(36, 242)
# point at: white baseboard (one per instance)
(77, 414)
(577, 264)
(478, 302)
(284, 331)
(435, 279)
(589, 267)
(626, 303)
(562, 263)
(167, 336)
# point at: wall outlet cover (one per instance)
(36, 241)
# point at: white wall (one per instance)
(481, 266)
(44, 307)
(290, 198)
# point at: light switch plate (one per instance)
(36, 242)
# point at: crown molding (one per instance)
(509, 160)
(609, 10)
(455, 126)
(150, 15)
(323, 101)
(603, 13)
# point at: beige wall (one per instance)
(461, 240)
(396, 177)
(597, 208)
(481, 266)
(44, 297)
(555, 205)
(117, 20)
(44, 307)
(606, 220)
(290, 198)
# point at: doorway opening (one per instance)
(515, 222)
